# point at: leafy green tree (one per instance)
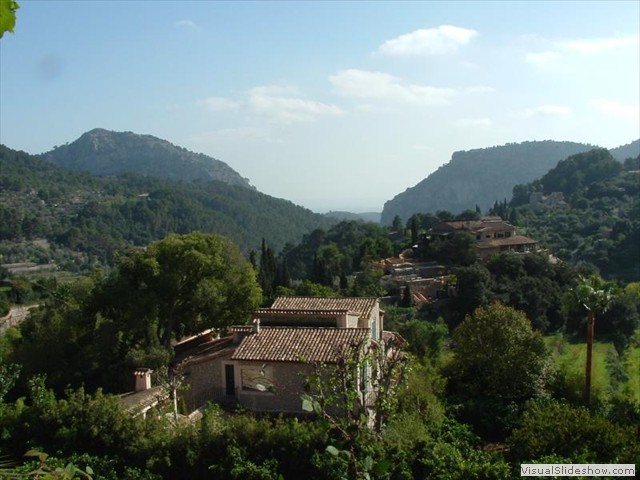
(594, 295)
(8, 375)
(184, 283)
(414, 226)
(581, 170)
(574, 433)
(267, 270)
(307, 288)
(499, 355)
(7, 16)
(621, 320)
(21, 290)
(425, 339)
(396, 225)
(469, 214)
(474, 288)
(328, 264)
(61, 339)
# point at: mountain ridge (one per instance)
(89, 217)
(106, 152)
(482, 176)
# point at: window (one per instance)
(364, 379)
(257, 379)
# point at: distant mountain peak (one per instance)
(104, 152)
(480, 177)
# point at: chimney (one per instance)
(256, 325)
(143, 379)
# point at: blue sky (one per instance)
(332, 105)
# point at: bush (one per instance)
(575, 433)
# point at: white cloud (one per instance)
(382, 86)
(617, 109)
(385, 87)
(238, 134)
(428, 41)
(561, 48)
(545, 110)
(477, 90)
(543, 58)
(219, 104)
(284, 105)
(597, 45)
(472, 122)
(276, 90)
(187, 24)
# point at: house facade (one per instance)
(264, 366)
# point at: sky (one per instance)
(331, 105)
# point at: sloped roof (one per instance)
(282, 312)
(510, 241)
(485, 223)
(203, 349)
(359, 305)
(142, 399)
(299, 344)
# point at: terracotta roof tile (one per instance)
(511, 241)
(296, 344)
(277, 312)
(362, 305)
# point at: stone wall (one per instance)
(288, 387)
(205, 381)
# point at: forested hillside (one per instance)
(481, 176)
(85, 219)
(630, 150)
(103, 152)
(600, 220)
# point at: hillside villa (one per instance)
(263, 367)
(493, 235)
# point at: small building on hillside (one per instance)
(264, 366)
(538, 201)
(493, 235)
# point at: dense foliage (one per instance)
(483, 391)
(103, 152)
(499, 355)
(178, 286)
(600, 223)
(478, 177)
(86, 219)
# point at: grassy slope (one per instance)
(632, 366)
(570, 358)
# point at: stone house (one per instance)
(263, 366)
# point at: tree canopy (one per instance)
(499, 355)
(183, 284)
